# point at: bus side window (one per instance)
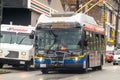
(90, 41)
(97, 41)
(103, 43)
(86, 38)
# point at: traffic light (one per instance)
(103, 17)
(113, 33)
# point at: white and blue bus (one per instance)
(65, 43)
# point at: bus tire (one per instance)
(99, 67)
(44, 71)
(94, 68)
(1, 65)
(85, 70)
(27, 67)
(16, 66)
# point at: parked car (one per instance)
(109, 57)
(109, 52)
(116, 57)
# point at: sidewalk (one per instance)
(2, 71)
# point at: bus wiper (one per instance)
(22, 39)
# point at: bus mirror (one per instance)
(31, 36)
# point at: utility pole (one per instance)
(117, 23)
(104, 14)
(104, 11)
(1, 10)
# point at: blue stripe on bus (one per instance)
(71, 60)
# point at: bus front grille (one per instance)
(12, 54)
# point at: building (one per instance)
(111, 22)
(26, 12)
(101, 13)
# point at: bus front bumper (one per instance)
(60, 66)
(14, 62)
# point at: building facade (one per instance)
(104, 15)
(26, 12)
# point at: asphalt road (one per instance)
(109, 72)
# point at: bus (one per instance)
(16, 48)
(68, 42)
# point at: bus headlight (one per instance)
(41, 59)
(76, 59)
(23, 53)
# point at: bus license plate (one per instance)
(22, 62)
(43, 65)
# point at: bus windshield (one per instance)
(53, 39)
(15, 38)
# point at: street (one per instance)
(109, 72)
(66, 39)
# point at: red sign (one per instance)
(17, 29)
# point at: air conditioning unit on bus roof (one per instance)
(65, 14)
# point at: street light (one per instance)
(117, 22)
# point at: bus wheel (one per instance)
(16, 66)
(84, 70)
(27, 67)
(44, 71)
(99, 67)
(1, 65)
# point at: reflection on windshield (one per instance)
(15, 38)
(55, 39)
